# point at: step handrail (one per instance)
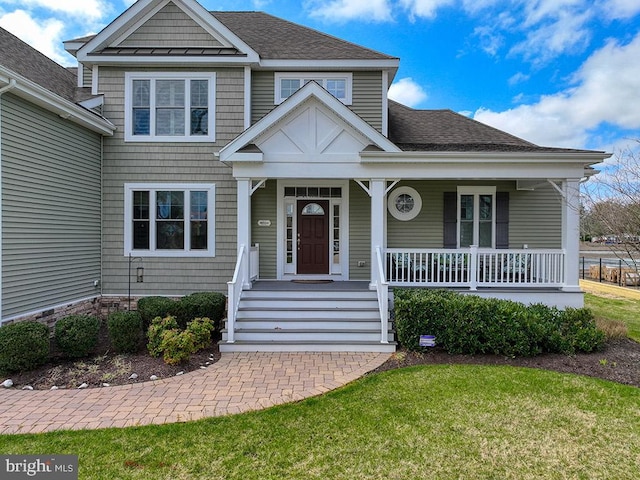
(234, 292)
(382, 289)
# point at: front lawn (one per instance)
(623, 309)
(440, 422)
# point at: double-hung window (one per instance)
(170, 220)
(337, 84)
(169, 107)
(476, 217)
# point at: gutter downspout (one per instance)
(5, 89)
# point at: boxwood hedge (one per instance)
(470, 324)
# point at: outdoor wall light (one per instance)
(139, 274)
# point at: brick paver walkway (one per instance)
(238, 382)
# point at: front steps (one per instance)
(308, 320)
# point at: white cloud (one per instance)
(45, 35)
(603, 88)
(620, 9)
(424, 8)
(518, 78)
(567, 32)
(87, 9)
(341, 10)
(489, 41)
(407, 92)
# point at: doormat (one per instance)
(311, 281)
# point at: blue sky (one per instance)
(556, 72)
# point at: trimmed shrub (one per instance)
(152, 307)
(77, 335)
(201, 328)
(210, 305)
(155, 333)
(125, 331)
(581, 332)
(469, 324)
(23, 346)
(177, 346)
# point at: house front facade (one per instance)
(253, 154)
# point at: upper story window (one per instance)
(169, 220)
(169, 107)
(476, 216)
(337, 84)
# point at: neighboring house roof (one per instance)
(26, 61)
(39, 79)
(275, 38)
(445, 130)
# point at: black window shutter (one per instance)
(450, 215)
(502, 219)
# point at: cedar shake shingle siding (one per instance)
(162, 29)
(162, 162)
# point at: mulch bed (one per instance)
(619, 362)
(104, 366)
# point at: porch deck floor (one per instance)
(310, 285)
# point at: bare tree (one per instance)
(611, 205)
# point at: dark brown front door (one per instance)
(313, 237)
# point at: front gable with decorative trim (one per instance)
(305, 137)
(126, 39)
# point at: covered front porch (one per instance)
(326, 196)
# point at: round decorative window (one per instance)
(404, 203)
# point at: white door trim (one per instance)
(340, 273)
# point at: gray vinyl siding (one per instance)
(359, 232)
(86, 76)
(170, 163)
(50, 209)
(262, 91)
(264, 207)
(170, 27)
(367, 96)
(534, 216)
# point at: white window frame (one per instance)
(393, 198)
(129, 188)
(476, 192)
(153, 77)
(306, 76)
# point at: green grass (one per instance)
(436, 422)
(624, 309)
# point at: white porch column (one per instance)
(244, 226)
(377, 189)
(571, 234)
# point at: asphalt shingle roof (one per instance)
(274, 38)
(26, 61)
(445, 130)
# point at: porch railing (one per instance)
(382, 288)
(254, 262)
(472, 268)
